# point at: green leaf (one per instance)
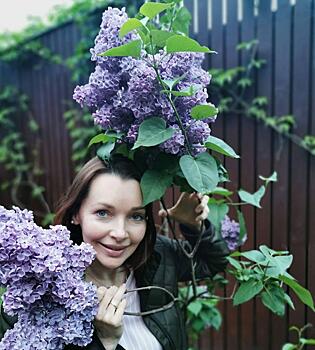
(154, 184)
(151, 9)
(220, 146)
(130, 25)
(254, 198)
(173, 82)
(243, 229)
(159, 37)
(307, 341)
(271, 178)
(181, 21)
(278, 265)
(203, 111)
(289, 346)
(195, 307)
(104, 151)
(215, 318)
(153, 132)
(200, 172)
(247, 45)
(254, 255)
(273, 298)
(189, 91)
(289, 301)
(222, 191)
(100, 138)
(33, 125)
(244, 82)
(303, 294)
(132, 49)
(247, 291)
(37, 191)
(234, 263)
(181, 43)
(48, 219)
(217, 213)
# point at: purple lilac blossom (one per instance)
(123, 91)
(230, 230)
(43, 272)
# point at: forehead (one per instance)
(113, 190)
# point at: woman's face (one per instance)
(112, 219)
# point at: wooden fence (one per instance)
(286, 33)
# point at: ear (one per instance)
(75, 220)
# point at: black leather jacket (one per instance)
(166, 267)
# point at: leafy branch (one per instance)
(302, 341)
(230, 86)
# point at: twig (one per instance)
(153, 311)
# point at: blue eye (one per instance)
(102, 213)
(138, 217)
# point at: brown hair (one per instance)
(70, 204)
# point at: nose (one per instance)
(119, 229)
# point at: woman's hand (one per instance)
(191, 209)
(108, 321)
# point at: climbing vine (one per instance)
(230, 87)
(20, 161)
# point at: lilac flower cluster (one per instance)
(43, 273)
(123, 91)
(230, 230)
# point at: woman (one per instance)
(103, 207)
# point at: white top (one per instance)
(136, 335)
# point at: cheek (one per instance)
(91, 232)
(139, 236)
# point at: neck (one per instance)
(101, 276)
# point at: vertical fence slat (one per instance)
(231, 128)
(203, 28)
(264, 87)
(300, 99)
(280, 195)
(217, 61)
(311, 203)
(248, 178)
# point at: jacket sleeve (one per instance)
(210, 257)
(6, 322)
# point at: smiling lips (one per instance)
(113, 251)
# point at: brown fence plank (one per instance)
(217, 44)
(232, 130)
(281, 152)
(310, 315)
(300, 96)
(263, 159)
(248, 176)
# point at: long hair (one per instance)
(70, 204)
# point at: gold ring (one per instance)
(115, 306)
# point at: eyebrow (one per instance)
(111, 207)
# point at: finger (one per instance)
(205, 199)
(103, 307)
(203, 215)
(120, 311)
(203, 204)
(199, 208)
(162, 213)
(100, 293)
(118, 296)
